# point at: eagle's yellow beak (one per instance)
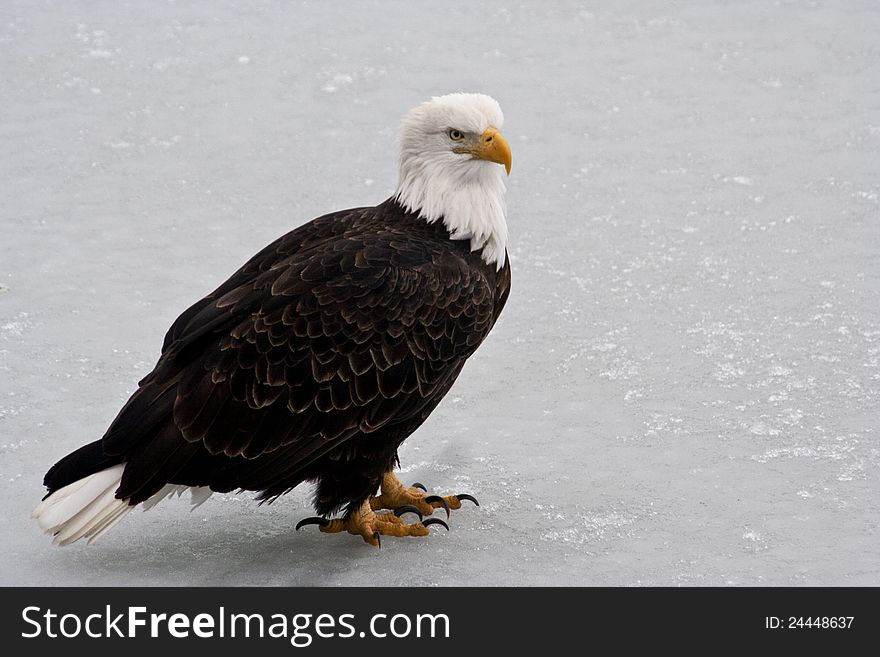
(494, 148)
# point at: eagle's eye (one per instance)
(455, 135)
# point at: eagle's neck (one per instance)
(468, 196)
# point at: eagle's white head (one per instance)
(450, 148)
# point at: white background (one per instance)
(683, 388)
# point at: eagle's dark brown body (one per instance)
(314, 361)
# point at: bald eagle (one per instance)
(322, 354)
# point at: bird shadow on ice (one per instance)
(236, 556)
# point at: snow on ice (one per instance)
(684, 386)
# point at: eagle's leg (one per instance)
(370, 525)
(397, 496)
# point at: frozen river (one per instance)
(685, 385)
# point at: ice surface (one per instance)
(683, 388)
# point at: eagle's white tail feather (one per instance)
(91, 519)
(199, 495)
(166, 491)
(83, 508)
(88, 508)
(109, 523)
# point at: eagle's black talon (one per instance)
(436, 498)
(314, 520)
(469, 498)
(407, 508)
(420, 486)
(435, 521)
(378, 539)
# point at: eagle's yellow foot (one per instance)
(370, 525)
(415, 499)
